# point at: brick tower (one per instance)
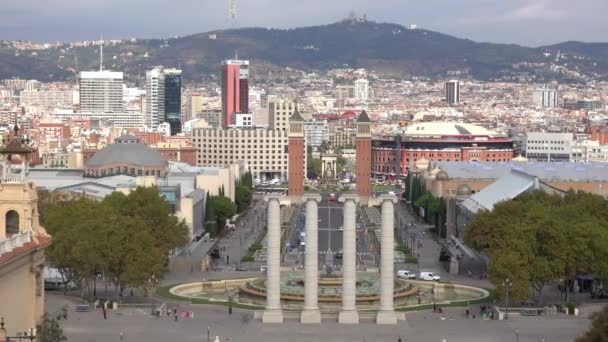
(296, 157)
(364, 157)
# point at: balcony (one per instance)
(15, 241)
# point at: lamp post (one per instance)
(508, 284)
(29, 335)
(516, 335)
(208, 334)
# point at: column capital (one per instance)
(349, 197)
(387, 197)
(311, 197)
(272, 197)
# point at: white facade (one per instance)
(549, 146)
(101, 92)
(124, 119)
(48, 98)
(545, 98)
(155, 97)
(243, 120)
(361, 89)
(279, 112)
(316, 132)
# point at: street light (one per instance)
(28, 335)
(508, 284)
(516, 335)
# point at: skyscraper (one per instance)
(173, 99)
(235, 89)
(155, 97)
(164, 98)
(545, 98)
(452, 92)
(362, 89)
(101, 92)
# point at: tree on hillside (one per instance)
(598, 332)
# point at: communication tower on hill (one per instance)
(232, 12)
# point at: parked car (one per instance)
(405, 274)
(341, 229)
(339, 255)
(263, 268)
(444, 255)
(430, 276)
(332, 197)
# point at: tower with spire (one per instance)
(364, 157)
(296, 147)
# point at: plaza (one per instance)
(419, 326)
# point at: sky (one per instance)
(526, 22)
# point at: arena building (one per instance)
(437, 141)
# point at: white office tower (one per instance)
(452, 92)
(361, 89)
(155, 97)
(101, 92)
(545, 98)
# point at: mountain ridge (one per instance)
(387, 48)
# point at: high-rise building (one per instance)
(195, 105)
(545, 98)
(155, 97)
(452, 92)
(173, 99)
(101, 92)
(279, 112)
(235, 89)
(362, 89)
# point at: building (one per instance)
(101, 92)
(437, 141)
(545, 98)
(342, 137)
(127, 156)
(452, 92)
(155, 97)
(316, 132)
(279, 112)
(235, 89)
(130, 119)
(582, 104)
(48, 98)
(212, 117)
(361, 89)
(364, 157)
(22, 244)
(173, 99)
(195, 106)
(243, 120)
(549, 147)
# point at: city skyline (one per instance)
(526, 22)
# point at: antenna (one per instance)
(232, 11)
(101, 53)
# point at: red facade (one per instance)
(295, 168)
(363, 166)
(231, 92)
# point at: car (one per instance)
(303, 243)
(430, 276)
(444, 255)
(332, 197)
(263, 268)
(341, 229)
(302, 234)
(405, 274)
(339, 255)
(83, 308)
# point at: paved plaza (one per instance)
(420, 326)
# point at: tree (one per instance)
(49, 330)
(224, 209)
(243, 197)
(599, 328)
(313, 169)
(210, 217)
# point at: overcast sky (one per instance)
(528, 22)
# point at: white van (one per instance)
(405, 274)
(430, 276)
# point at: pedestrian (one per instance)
(467, 312)
(399, 339)
(230, 309)
(103, 309)
(470, 273)
(175, 316)
(434, 307)
(121, 336)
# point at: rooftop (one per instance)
(437, 129)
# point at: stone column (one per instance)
(386, 314)
(349, 313)
(311, 312)
(273, 312)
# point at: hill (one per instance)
(385, 48)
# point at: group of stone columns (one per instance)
(348, 313)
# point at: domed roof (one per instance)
(463, 190)
(422, 164)
(432, 129)
(519, 159)
(130, 153)
(442, 175)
